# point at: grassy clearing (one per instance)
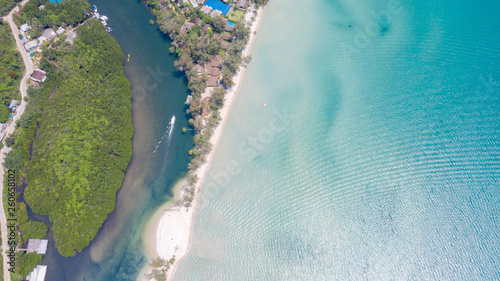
(235, 15)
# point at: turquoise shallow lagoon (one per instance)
(377, 156)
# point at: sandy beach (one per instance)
(170, 230)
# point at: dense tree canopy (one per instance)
(27, 262)
(68, 12)
(11, 70)
(84, 142)
(7, 5)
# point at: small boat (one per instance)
(94, 7)
(104, 23)
(108, 29)
(128, 59)
(104, 18)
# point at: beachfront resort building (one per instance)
(224, 45)
(213, 69)
(186, 27)
(243, 4)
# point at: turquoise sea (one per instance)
(377, 156)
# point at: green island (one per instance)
(72, 145)
(84, 144)
(209, 50)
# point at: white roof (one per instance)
(60, 30)
(71, 37)
(31, 44)
(38, 274)
(49, 34)
(37, 245)
(25, 27)
(215, 13)
(206, 9)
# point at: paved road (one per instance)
(20, 110)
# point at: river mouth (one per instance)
(160, 150)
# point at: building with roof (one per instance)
(25, 27)
(183, 10)
(186, 27)
(60, 30)
(71, 36)
(215, 62)
(200, 2)
(224, 45)
(19, 11)
(30, 45)
(37, 245)
(38, 274)
(49, 34)
(206, 27)
(212, 81)
(2, 136)
(215, 13)
(197, 21)
(214, 71)
(206, 9)
(228, 27)
(206, 106)
(38, 75)
(227, 36)
(243, 4)
(13, 105)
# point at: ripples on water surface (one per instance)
(388, 169)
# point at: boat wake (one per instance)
(167, 135)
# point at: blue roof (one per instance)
(218, 5)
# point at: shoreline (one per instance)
(174, 221)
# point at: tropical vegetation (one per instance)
(78, 125)
(12, 70)
(194, 48)
(68, 12)
(83, 146)
(7, 5)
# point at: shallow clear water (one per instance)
(377, 156)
